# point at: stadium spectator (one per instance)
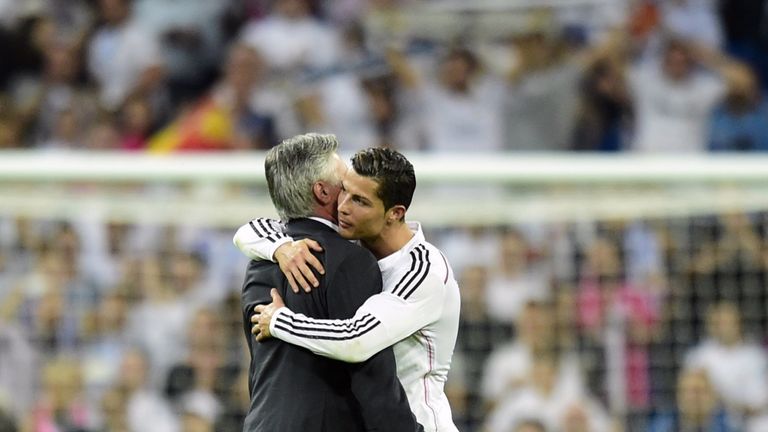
(674, 98)
(29, 38)
(470, 246)
(291, 40)
(102, 135)
(199, 412)
(135, 124)
(510, 365)
(18, 370)
(603, 117)
(51, 300)
(191, 41)
(741, 122)
(608, 303)
(55, 106)
(519, 278)
(543, 397)
(200, 375)
(113, 408)
(460, 105)
(540, 108)
(240, 113)
(698, 407)
(478, 333)
(156, 324)
(145, 409)
(105, 342)
(736, 368)
(61, 404)
(125, 59)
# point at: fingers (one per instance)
(292, 282)
(275, 295)
(314, 262)
(313, 245)
(307, 278)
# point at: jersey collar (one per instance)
(392, 260)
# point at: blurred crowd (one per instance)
(176, 75)
(655, 325)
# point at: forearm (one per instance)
(383, 320)
(260, 238)
(354, 340)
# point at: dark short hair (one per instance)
(391, 170)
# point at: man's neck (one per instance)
(391, 240)
(328, 213)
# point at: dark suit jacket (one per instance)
(293, 390)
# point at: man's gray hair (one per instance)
(293, 167)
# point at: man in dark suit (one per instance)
(292, 389)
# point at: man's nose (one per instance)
(343, 206)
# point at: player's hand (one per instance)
(263, 315)
(295, 259)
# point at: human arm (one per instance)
(260, 238)
(263, 240)
(383, 320)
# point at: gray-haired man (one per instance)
(291, 389)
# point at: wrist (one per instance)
(275, 248)
(282, 311)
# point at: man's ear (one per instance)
(322, 192)
(396, 214)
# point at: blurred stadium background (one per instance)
(593, 170)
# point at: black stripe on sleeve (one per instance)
(423, 276)
(329, 324)
(269, 234)
(282, 326)
(407, 274)
(413, 275)
(320, 327)
(256, 230)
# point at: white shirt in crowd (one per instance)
(286, 43)
(148, 412)
(507, 295)
(552, 411)
(417, 314)
(510, 365)
(118, 56)
(672, 116)
(467, 122)
(738, 373)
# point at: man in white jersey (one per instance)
(418, 310)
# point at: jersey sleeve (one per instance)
(383, 320)
(260, 238)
